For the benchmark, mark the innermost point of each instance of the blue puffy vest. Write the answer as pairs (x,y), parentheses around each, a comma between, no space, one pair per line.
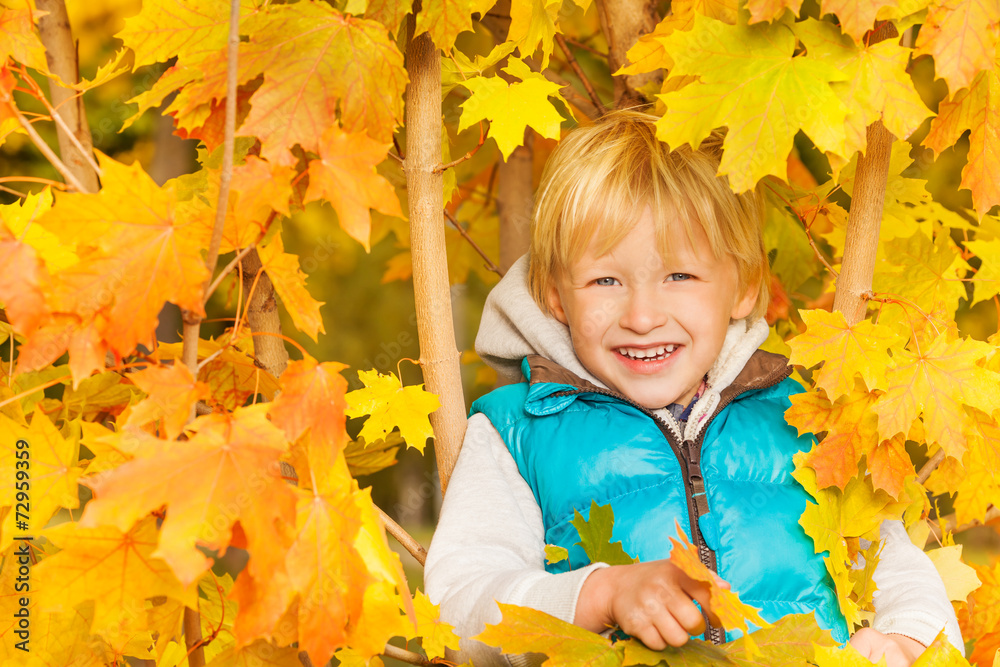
(574,442)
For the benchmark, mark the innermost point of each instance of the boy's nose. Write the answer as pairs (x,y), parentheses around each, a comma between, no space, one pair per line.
(642,313)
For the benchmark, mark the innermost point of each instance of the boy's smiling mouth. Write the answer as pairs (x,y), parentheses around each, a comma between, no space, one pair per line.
(657,353)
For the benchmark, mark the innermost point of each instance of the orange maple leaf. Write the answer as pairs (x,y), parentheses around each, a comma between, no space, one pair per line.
(226,472)
(981,618)
(937,381)
(724,602)
(316,62)
(851,429)
(345,176)
(22,284)
(171,394)
(312,400)
(138,257)
(289,282)
(974,108)
(962,37)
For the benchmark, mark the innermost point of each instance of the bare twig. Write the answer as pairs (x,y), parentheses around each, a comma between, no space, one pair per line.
(929,467)
(192,637)
(225,272)
(950,524)
(475,246)
(586,47)
(482,139)
(403,537)
(43,147)
(579,72)
(406,656)
(88,155)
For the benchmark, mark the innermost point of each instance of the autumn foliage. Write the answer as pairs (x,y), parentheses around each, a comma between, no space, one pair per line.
(150,462)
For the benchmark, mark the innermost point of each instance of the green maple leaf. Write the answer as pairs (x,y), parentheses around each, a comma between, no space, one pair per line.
(595,536)
(511,108)
(750,80)
(525,630)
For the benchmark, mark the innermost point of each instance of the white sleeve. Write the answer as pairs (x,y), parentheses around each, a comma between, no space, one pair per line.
(911,599)
(489,546)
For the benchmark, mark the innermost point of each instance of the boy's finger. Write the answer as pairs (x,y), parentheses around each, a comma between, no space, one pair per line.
(701,593)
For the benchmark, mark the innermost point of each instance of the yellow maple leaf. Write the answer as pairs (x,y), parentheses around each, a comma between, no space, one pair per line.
(512,107)
(925,272)
(959,579)
(389,405)
(49,473)
(843,350)
(878,85)
(114,569)
(751,80)
(936,382)
(978,485)
(436,634)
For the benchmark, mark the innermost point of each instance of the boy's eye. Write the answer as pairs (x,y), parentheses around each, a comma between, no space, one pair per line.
(678,276)
(606,282)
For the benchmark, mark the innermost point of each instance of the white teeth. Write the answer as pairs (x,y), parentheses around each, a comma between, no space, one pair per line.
(653,353)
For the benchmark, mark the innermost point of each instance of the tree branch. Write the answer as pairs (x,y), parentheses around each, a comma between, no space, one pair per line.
(226,271)
(49,154)
(475,246)
(406,656)
(929,467)
(72,130)
(403,537)
(579,72)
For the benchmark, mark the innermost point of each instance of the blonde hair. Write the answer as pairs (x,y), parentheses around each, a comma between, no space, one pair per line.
(602,177)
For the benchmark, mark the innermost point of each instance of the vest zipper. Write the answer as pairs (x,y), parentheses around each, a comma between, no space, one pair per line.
(688,453)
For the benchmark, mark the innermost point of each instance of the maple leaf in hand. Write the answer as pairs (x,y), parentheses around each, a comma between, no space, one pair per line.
(345,176)
(724,602)
(437,635)
(228,456)
(843,350)
(937,381)
(390,404)
(750,79)
(511,108)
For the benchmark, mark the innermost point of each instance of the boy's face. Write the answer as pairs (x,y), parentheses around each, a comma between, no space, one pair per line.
(649,327)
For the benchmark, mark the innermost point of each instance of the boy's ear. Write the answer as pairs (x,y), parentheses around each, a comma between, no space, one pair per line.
(745,305)
(555,305)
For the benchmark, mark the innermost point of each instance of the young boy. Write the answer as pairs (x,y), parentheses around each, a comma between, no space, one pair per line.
(635,324)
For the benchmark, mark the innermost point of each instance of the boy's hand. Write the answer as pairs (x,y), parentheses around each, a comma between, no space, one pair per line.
(898,651)
(650,601)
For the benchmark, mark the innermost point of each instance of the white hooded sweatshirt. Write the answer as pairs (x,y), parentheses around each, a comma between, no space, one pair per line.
(489,543)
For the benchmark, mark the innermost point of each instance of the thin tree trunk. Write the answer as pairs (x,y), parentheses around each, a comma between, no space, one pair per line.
(439,357)
(514,201)
(263,316)
(623,22)
(60,53)
(863,223)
